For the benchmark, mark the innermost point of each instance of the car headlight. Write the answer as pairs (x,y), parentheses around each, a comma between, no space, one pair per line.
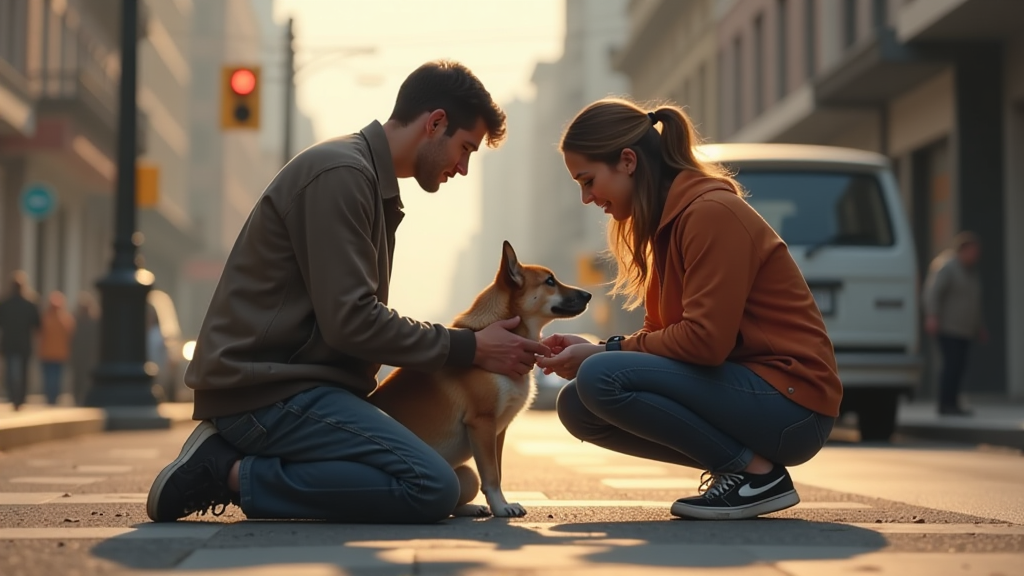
(188,350)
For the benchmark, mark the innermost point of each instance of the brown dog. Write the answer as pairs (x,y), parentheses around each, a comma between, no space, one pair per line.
(464,413)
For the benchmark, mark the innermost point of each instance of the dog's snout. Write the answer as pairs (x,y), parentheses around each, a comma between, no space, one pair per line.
(584,295)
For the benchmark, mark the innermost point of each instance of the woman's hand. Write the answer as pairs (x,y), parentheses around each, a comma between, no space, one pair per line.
(567,362)
(558,342)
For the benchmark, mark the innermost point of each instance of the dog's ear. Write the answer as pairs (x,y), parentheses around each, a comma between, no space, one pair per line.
(510,272)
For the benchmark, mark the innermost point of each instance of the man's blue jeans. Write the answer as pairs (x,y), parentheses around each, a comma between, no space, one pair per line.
(709,418)
(326,454)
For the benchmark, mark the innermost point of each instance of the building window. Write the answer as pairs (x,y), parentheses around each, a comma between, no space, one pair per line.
(849,22)
(880,14)
(810,38)
(737,85)
(781,54)
(758,64)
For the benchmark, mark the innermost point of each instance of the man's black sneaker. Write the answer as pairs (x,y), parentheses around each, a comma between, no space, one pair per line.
(197,480)
(736,496)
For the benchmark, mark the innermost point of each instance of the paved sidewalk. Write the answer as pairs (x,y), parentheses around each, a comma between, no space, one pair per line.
(38,422)
(996,424)
(912,508)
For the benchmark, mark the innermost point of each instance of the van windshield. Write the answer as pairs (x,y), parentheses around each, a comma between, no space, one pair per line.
(820,208)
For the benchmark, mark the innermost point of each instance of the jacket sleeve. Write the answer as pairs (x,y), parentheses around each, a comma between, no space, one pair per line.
(721,263)
(330,223)
(935,285)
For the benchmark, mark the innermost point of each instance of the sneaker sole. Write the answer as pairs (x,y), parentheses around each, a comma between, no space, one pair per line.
(780,502)
(202,432)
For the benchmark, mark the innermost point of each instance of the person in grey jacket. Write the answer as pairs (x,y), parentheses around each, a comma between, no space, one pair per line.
(952,305)
(19,322)
(299,326)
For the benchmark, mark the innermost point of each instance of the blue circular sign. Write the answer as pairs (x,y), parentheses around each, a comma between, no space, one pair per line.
(38,200)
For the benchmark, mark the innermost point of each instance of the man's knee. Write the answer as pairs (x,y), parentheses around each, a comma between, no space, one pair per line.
(438,493)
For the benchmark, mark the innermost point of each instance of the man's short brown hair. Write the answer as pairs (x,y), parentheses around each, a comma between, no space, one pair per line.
(449,86)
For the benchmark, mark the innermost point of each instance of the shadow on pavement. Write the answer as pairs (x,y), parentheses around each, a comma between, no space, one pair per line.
(461,545)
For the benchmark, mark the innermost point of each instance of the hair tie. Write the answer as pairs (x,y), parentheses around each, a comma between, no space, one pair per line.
(654,119)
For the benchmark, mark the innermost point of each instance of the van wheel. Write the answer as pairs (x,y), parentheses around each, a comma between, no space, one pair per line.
(876,416)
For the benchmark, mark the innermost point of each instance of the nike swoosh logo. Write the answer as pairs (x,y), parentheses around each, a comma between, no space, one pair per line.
(747,491)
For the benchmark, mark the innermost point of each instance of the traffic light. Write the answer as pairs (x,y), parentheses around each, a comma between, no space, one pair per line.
(240,97)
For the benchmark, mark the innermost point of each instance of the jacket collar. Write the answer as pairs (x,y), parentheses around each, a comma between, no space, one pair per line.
(383,164)
(687,187)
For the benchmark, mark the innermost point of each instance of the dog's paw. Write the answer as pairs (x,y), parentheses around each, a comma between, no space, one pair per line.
(511,510)
(472,511)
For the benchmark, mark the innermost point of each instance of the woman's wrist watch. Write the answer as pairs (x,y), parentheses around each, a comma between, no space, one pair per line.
(614,344)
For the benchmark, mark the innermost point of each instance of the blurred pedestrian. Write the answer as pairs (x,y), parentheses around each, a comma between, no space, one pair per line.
(952,306)
(55,332)
(85,346)
(732,371)
(19,321)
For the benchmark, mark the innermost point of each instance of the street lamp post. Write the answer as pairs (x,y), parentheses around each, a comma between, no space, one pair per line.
(121,384)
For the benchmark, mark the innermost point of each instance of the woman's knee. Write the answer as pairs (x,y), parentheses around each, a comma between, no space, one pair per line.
(570,410)
(595,380)
(577,419)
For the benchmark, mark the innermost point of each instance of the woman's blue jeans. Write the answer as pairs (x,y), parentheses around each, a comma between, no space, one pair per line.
(326,454)
(709,418)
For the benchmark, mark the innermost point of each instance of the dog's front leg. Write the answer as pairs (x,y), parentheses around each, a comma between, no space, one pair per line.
(483,438)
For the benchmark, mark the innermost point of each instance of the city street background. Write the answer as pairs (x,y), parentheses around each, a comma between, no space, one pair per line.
(929,94)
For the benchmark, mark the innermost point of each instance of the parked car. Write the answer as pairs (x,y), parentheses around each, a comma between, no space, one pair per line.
(166,348)
(840,213)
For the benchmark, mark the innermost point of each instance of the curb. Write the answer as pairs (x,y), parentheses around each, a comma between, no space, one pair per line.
(1006,436)
(61,423)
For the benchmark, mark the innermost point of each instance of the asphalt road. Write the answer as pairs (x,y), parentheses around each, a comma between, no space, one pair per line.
(77,507)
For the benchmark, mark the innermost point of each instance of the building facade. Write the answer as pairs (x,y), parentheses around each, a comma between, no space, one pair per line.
(529,197)
(230,168)
(936,86)
(59,72)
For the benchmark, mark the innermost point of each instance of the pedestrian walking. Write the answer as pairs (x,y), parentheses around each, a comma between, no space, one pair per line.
(952,307)
(19,322)
(732,371)
(85,346)
(55,332)
(299,326)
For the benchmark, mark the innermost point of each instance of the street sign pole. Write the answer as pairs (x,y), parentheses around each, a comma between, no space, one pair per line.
(121,384)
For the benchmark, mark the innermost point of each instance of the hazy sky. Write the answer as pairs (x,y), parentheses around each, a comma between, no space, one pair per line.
(500,40)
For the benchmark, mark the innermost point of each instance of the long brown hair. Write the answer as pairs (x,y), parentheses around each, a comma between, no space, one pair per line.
(600,132)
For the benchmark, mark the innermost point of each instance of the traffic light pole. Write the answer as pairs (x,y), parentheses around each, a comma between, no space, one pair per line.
(121,384)
(289,91)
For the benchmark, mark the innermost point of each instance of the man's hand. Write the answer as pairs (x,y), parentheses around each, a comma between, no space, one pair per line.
(931,325)
(559,342)
(500,350)
(567,362)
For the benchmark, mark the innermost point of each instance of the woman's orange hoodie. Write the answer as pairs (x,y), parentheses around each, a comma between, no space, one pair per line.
(725,288)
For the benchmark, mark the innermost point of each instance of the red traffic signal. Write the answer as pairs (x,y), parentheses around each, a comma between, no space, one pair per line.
(243,81)
(240,97)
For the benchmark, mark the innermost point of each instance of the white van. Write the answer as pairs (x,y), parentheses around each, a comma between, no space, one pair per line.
(839,211)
